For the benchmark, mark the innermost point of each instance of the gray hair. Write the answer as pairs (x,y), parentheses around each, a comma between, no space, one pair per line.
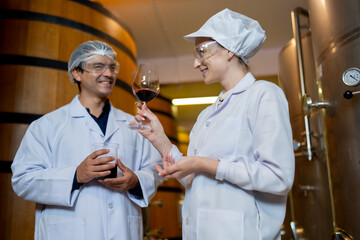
(87,50)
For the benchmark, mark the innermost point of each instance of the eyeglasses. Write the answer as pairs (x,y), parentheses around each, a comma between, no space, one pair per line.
(205,50)
(100,68)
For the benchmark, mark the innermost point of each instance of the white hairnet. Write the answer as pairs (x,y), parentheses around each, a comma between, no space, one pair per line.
(87,50)
(237,33)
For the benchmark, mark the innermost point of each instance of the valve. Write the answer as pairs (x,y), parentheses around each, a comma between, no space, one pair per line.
(349,94)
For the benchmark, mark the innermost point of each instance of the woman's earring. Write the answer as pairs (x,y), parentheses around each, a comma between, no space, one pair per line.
(229,58)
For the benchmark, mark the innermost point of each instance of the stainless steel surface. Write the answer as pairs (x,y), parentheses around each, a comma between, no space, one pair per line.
(326,196)
(306,189)
(336,41)
(332,21)
(308,105)
(156,203)
(340,234)
(295,14)
(310,197)
(296,145)
(351,77)
(293,228)
(349,94)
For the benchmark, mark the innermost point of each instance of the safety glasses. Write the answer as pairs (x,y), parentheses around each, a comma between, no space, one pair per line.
(99,67)
(206,50)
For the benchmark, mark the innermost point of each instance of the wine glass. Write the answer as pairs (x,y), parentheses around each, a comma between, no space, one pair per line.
(145,87)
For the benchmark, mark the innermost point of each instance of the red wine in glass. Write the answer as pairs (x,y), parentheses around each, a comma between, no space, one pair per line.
(145,87)
(145,95)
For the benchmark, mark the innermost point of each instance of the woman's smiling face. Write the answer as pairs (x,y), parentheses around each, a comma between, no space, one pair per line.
(210,59)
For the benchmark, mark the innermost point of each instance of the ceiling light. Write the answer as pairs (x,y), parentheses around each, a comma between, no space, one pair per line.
(193,101)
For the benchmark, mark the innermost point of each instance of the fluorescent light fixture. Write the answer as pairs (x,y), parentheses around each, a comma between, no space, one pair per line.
(193,101)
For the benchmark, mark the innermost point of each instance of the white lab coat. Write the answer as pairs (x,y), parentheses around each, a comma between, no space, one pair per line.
(250,134)
(44,168)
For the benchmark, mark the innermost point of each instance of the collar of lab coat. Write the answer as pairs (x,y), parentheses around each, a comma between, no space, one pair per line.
(77,110)
(242,85)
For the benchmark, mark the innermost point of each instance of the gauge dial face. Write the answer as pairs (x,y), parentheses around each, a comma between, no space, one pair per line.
(351,77)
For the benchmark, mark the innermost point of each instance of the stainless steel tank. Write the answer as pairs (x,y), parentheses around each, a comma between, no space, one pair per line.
(336,41)
(331,178)
(309,206)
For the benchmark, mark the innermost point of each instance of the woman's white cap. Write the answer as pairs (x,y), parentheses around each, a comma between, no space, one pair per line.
(237,33)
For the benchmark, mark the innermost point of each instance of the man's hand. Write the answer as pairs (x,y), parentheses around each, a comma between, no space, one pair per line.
(93,167)
(128,181)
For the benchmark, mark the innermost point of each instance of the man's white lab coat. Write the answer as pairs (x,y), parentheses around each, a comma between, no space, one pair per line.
(44,168)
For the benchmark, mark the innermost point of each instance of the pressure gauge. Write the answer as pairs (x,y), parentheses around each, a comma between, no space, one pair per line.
(351,77)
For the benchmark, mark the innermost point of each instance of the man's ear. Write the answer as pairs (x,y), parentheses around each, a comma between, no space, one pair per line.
(76,74)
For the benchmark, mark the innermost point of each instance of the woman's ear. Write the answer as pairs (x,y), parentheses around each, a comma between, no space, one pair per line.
(230,55)
(76,74)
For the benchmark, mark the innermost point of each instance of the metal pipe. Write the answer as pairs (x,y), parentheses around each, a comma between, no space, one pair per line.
(293,228)
(297,36)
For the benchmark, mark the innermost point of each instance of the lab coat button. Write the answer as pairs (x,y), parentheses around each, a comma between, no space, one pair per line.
(110,206)
(187,221)
(207,124)
(195,151)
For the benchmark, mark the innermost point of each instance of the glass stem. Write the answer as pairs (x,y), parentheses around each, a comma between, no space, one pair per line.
(143,104)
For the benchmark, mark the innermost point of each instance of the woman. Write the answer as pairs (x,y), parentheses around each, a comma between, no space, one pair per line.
(240,163)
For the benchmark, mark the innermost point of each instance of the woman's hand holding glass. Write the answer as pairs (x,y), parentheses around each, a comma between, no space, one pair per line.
(155,134)
(145,87)
(148,118)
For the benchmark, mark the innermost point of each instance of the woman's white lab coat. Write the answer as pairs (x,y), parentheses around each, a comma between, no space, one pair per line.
(44,168)
(250,134)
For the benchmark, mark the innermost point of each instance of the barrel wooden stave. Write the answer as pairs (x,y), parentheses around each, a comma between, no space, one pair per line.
(165,211)
(17,215)
(38,90)
(76,12)
(30,89)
